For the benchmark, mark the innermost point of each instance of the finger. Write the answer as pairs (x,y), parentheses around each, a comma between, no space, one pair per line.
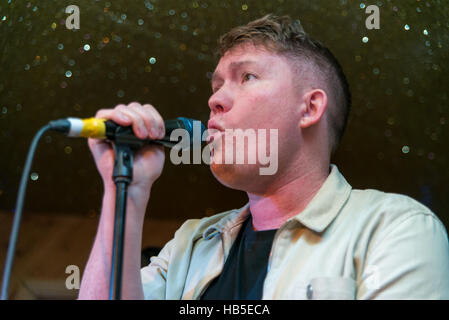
(138,123)
(152,120)
(158,119)
(149,121)
(98,145)
(113,114)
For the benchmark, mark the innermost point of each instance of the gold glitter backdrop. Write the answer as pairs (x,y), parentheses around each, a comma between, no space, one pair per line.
(160,52)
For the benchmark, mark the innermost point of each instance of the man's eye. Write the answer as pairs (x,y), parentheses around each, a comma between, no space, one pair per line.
(247,75)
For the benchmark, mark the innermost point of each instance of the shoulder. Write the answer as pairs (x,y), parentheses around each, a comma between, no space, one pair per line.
(380,215)
(391,207)
(381,199)
(403,242)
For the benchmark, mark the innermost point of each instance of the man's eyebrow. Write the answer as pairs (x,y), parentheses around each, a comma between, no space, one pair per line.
(232,65)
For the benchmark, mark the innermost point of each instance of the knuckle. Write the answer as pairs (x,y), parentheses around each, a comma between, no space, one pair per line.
(128,113)
(121,108)
(148,106)
(134,105)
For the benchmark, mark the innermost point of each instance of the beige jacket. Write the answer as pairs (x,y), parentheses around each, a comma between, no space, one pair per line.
(346,244)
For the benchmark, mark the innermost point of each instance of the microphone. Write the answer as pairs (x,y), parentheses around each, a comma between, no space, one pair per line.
(180,130)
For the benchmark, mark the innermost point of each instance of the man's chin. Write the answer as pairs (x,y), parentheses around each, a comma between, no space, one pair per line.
(234,176)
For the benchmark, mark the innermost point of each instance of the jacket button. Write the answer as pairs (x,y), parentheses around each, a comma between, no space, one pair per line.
(309,292)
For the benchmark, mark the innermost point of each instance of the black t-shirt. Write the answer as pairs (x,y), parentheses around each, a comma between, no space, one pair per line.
(245,268)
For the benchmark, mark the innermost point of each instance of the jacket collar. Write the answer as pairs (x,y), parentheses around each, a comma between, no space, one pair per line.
(317,216)
(327,202)
(234,218)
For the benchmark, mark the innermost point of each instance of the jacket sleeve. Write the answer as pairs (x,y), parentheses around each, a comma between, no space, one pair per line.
(154,276)
(164,277)
(408,260)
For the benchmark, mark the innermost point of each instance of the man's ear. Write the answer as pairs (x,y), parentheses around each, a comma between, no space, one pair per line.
(315,104)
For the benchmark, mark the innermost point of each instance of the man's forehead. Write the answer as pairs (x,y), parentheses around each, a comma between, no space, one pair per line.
(234,65)
(244,54)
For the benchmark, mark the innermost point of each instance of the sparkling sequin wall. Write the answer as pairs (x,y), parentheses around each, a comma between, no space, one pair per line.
(161,52)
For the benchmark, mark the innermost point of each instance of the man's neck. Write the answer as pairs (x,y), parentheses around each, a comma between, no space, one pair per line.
(271,210)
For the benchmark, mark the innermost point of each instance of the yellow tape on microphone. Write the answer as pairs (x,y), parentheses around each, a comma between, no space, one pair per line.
(93,128)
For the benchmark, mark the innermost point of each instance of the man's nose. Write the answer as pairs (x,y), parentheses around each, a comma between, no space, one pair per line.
(220,101)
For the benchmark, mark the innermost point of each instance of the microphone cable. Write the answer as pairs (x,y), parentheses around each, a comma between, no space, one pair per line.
(18,211)
(64,126)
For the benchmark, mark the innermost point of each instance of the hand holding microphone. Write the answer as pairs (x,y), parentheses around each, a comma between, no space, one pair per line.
(139,127)
(146,124)
(133,128)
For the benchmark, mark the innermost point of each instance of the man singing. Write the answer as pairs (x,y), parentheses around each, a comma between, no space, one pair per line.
(304,233)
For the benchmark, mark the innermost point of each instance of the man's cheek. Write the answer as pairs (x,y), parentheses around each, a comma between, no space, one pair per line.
(267,102)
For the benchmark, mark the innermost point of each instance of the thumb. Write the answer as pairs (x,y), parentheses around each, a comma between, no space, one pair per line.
(99,147)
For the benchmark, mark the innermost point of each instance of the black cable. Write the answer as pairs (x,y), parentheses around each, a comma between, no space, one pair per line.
(18,212)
